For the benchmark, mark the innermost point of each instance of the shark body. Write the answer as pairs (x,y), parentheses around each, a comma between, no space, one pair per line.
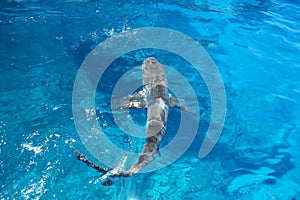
(157,100)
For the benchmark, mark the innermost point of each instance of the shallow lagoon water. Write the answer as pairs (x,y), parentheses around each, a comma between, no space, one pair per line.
(255,46)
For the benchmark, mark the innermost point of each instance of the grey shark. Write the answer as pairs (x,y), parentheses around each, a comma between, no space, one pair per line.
(156,99)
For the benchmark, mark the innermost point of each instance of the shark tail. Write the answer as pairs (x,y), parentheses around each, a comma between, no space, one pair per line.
(108,175)
(83,158)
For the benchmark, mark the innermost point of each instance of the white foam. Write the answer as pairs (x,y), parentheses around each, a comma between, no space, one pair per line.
(29,147)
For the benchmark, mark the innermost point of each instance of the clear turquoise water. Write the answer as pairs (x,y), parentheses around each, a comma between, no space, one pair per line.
(255,45)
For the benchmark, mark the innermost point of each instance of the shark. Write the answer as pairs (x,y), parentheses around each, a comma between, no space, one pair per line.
(154,97)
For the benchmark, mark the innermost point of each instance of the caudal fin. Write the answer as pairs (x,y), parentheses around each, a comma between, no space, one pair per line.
(83,158)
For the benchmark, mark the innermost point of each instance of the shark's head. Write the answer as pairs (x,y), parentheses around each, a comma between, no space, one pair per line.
(152,66)
(153,72)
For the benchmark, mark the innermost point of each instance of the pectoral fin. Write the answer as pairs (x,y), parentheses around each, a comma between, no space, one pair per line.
(136,100)
(174,104)
(182,107)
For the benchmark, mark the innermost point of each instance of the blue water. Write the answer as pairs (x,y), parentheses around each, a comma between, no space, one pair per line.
(255,45)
